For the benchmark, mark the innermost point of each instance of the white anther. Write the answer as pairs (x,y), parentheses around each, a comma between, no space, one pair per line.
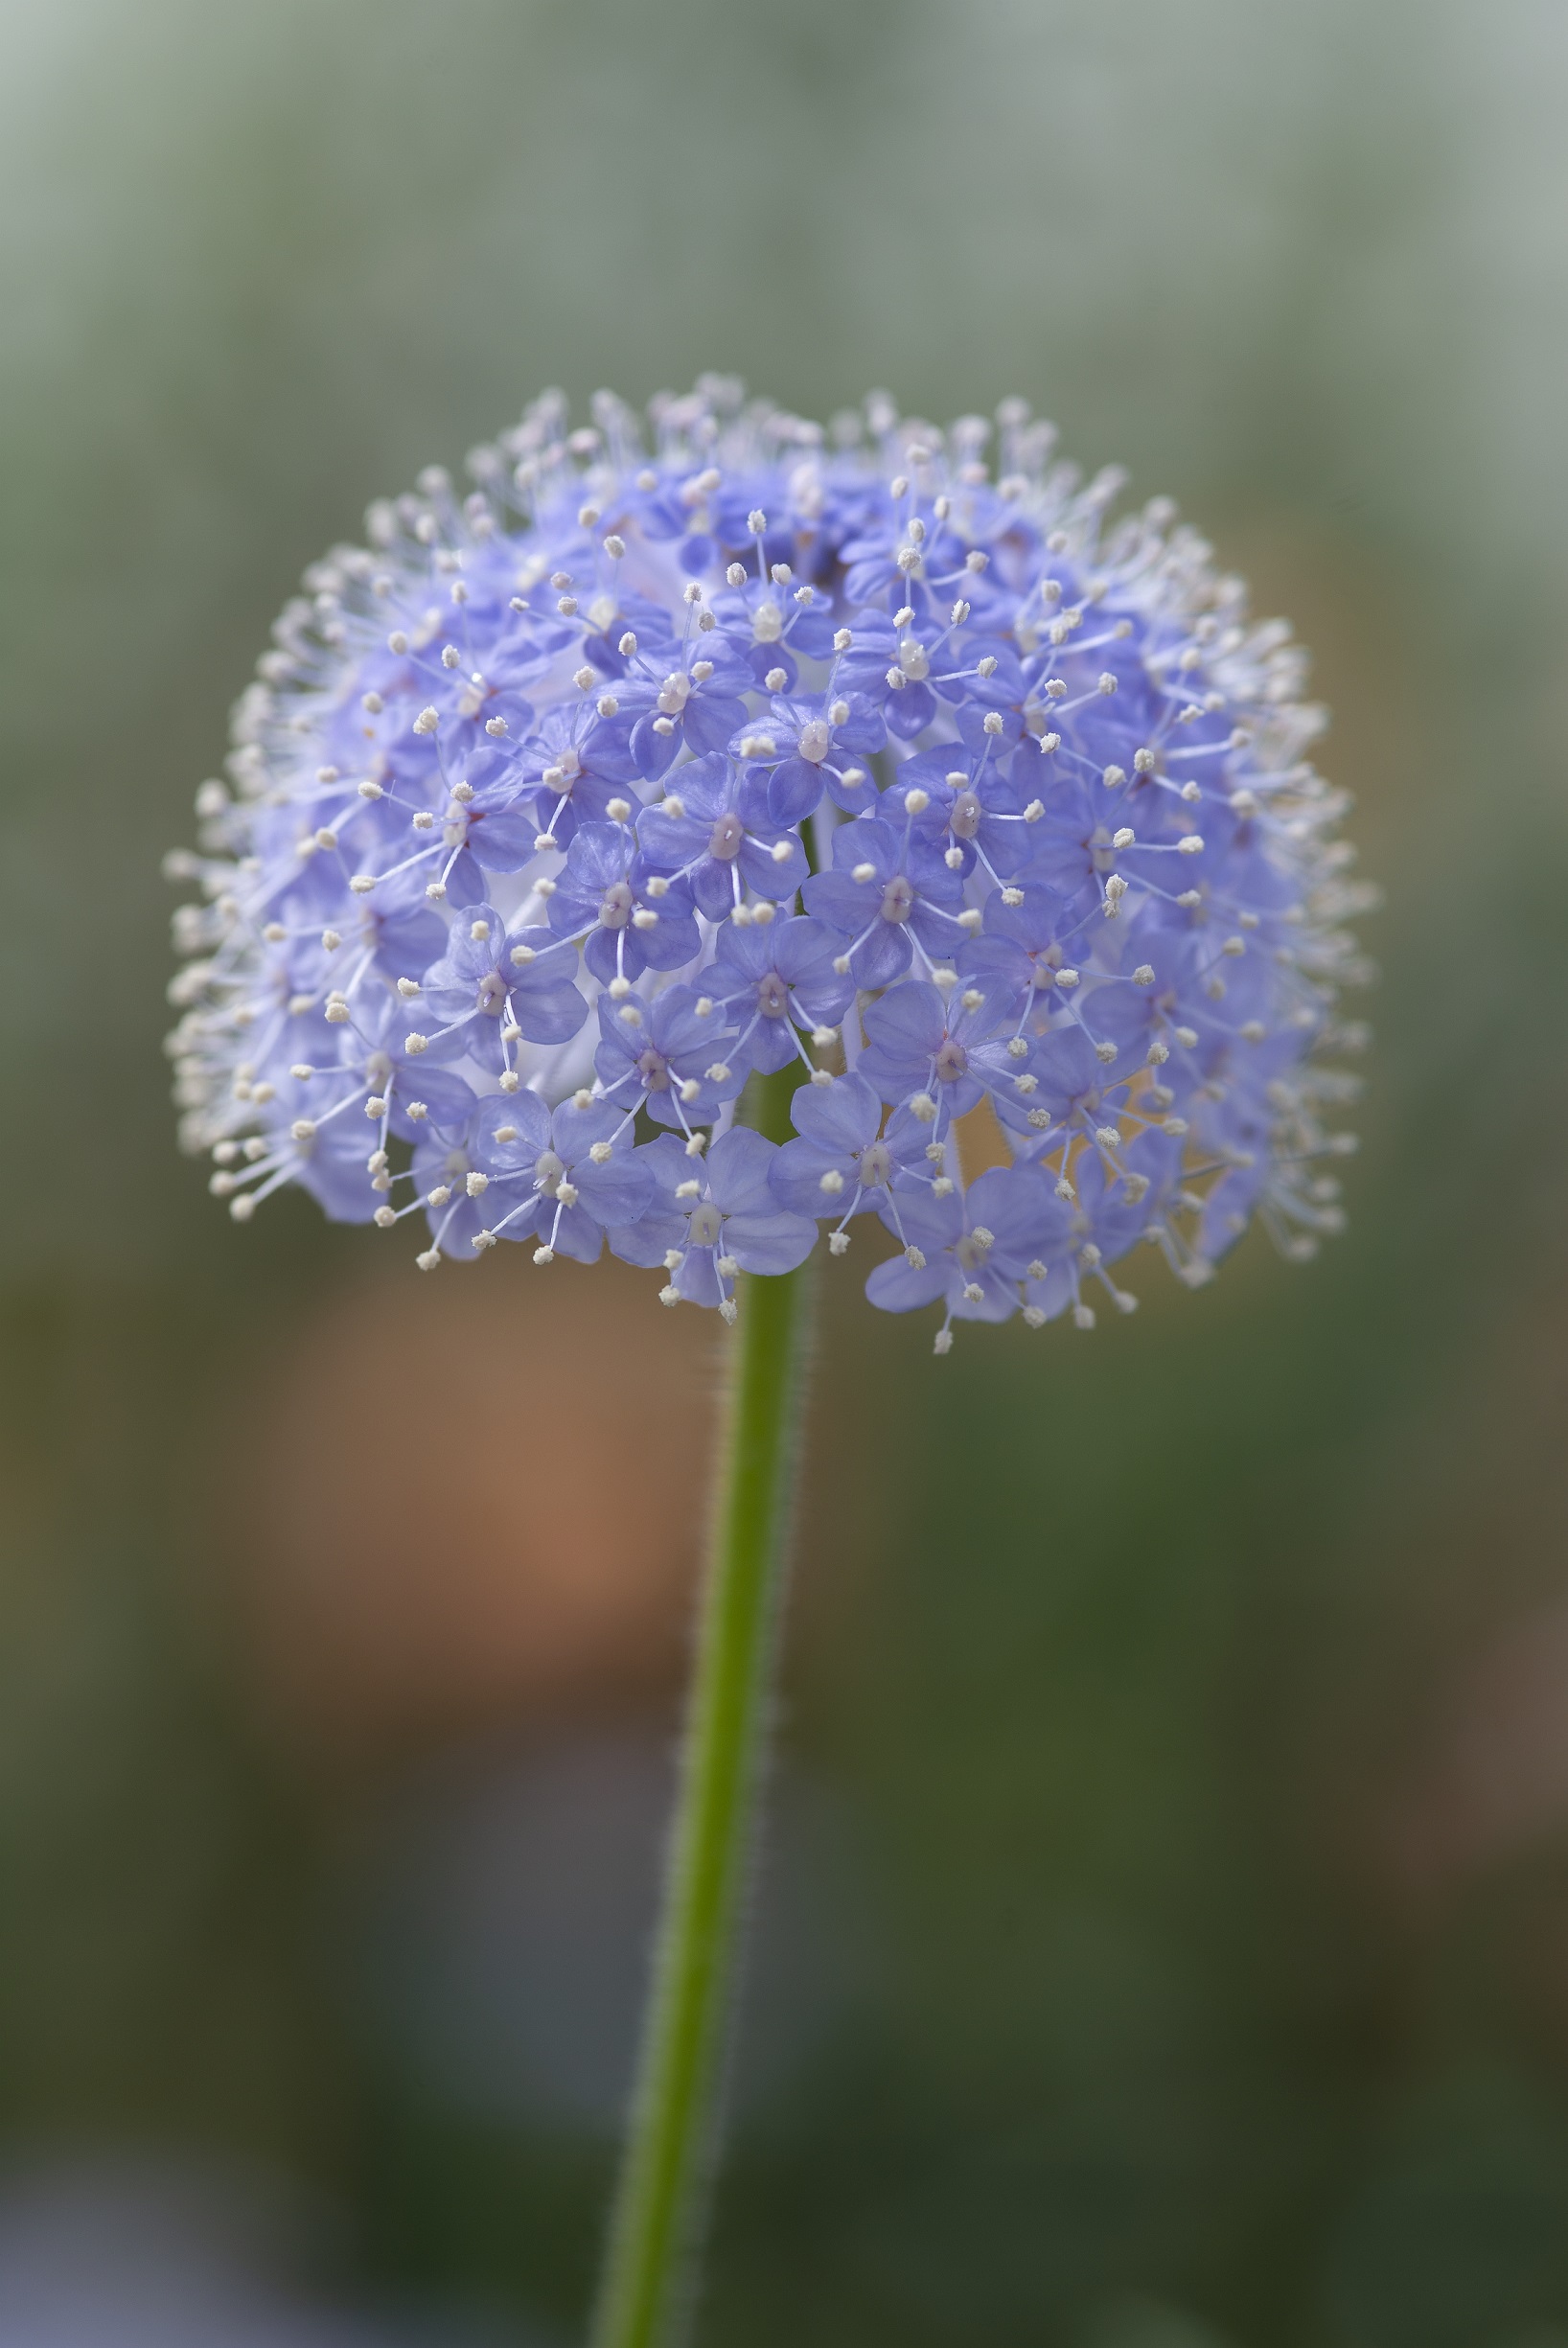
(840,967)
(782,850)
(718,1072)
(970,919)
(922,1108)
(478,929)
(916,802)
(1036,809)
(413,1044)
(1190,792)
(832,1182)
(1188,1036)
(1106,683)
(862,873)
(838,1243)
(615,546)
(477,1184)
(958,614)
(1234,947)
(916,1260)
(992,721)
(426,721)
(618,811)
(1190,844)
(852,778)
(1175,1126)
(582,677)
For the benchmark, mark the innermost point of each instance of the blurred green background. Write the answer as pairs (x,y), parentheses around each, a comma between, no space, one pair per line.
(1165,1939)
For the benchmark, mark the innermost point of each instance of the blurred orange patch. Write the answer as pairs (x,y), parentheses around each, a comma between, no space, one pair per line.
(471,1493)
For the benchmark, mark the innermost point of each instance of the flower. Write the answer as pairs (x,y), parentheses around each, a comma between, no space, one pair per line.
(566,1177)
(971,1250)
(769,977)
(842,1162)
(714,1218)
(566,804)
(888,892)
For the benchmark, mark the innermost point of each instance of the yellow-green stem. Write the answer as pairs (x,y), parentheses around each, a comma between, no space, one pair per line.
(647,2289)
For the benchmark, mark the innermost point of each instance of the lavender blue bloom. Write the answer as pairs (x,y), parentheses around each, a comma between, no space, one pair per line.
(714,1217)
(663,755)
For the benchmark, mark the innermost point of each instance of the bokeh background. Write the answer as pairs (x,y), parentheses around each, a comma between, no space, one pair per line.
(1164,1940)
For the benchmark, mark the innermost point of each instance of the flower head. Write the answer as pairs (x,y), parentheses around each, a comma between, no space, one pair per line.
(659,759)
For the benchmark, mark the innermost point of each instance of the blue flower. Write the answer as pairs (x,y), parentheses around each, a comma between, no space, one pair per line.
(888,891)
(492,987)
(695,707)
(715,832)
(564,1177)
(970,1251)
(842,1163)
(675,1053)
(636,919)
(810,745)
(938,1055)
(552,748)
(775,972)
(715,1217)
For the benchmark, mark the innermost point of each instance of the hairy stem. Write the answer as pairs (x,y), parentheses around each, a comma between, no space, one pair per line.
(647,2288)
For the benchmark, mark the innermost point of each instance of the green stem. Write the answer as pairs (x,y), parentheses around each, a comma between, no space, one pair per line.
(672,2142)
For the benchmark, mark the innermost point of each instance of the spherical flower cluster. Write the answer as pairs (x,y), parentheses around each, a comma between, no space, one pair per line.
(572,803)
